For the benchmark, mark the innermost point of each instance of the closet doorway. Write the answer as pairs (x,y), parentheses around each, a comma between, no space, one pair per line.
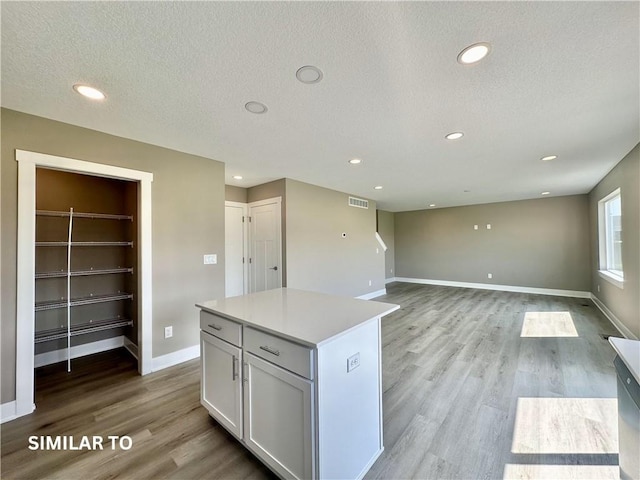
(64,264)
(265,247)
(86,266)
(253,246)
(236,276)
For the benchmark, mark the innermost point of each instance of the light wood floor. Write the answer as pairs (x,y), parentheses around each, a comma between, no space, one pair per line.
(465,396)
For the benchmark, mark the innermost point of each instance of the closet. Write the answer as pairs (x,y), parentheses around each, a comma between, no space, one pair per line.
(86,265)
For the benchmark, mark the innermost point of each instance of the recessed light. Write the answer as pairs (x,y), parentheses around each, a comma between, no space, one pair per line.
(355,161)
(237,177)
(309,74)
(550,157)
(454,136)
(256,107)
(89,92)
(378,187)
(474,53)
(545,193)
(432,204)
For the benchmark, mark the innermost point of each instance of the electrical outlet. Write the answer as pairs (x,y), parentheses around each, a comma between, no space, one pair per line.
(168,332)
(598,288)
(210,259)
(488,226)
(475,227)
(489,275)
(353,362)
(369,282)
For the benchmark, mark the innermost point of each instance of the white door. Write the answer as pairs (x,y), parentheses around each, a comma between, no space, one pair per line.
(278,418)
(265,269)
(235,274)
(221,385)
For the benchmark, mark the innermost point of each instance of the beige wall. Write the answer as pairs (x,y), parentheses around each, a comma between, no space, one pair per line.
(386,229)
(235,194)
(318,258)
(277,188)
(187,221)
(625,302)
(540,243)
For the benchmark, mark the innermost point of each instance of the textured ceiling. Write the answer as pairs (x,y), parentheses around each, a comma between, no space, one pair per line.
(562,78)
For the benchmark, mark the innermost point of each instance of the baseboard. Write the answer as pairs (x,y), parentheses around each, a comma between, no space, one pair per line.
(501,288)
(390,280)
(56,356)
(369,296)
(615,321)
(174,358)
(8,411)
(131,347)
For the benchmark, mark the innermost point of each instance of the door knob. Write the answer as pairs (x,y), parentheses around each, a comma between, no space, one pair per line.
(273,268)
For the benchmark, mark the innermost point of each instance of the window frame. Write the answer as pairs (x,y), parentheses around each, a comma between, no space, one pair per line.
(605,239)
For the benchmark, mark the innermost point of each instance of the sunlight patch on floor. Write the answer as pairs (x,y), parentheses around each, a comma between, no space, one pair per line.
(561,472)
(566,425)
(548,324)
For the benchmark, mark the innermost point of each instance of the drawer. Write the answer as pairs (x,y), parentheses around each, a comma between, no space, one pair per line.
(227,330)
(286,354)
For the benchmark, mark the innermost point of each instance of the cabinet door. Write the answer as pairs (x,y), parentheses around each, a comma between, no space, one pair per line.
(220,385)
(278,418)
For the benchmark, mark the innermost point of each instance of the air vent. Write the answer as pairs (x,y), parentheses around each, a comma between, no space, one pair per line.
(358,202)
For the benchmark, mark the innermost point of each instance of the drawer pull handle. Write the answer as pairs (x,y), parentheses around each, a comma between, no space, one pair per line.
(272,351)
(215,327)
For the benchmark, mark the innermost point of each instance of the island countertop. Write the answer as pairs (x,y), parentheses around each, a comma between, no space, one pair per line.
(308,318)
(629,352)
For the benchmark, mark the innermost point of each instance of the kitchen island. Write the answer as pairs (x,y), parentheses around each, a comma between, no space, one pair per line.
(296,377)
(627,365)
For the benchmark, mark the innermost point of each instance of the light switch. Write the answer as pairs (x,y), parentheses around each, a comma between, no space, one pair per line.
(475,227)
(210,259)
(488,226)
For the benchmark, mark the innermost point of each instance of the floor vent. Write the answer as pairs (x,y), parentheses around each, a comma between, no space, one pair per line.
(358,202)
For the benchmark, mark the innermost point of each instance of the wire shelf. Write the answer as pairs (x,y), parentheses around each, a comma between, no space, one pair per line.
(75,302)
(84,273)
(102,216)
(84,244)
(82,329)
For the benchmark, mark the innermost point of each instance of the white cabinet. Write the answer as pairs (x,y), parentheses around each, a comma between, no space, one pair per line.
(221,385)
(278,418)
(310,401)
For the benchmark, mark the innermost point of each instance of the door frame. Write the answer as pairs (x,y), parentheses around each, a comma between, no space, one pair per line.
(260,203)
(25,298)
(245,243)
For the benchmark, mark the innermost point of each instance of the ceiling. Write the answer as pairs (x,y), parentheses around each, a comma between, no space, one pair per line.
(562,79)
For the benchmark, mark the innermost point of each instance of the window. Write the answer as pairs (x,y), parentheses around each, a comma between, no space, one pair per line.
(610,228)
